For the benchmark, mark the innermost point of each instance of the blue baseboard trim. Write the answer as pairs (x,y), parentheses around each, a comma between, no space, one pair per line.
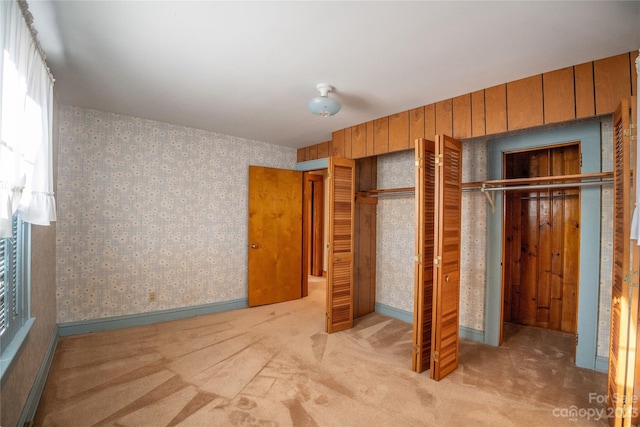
(396,313)
(140,319)
(471,334)
(602,364)
(30,407)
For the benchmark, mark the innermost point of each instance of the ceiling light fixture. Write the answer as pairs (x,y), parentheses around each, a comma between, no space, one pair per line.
(323,105)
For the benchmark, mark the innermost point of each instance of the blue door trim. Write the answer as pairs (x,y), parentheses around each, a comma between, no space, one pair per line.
(590,145)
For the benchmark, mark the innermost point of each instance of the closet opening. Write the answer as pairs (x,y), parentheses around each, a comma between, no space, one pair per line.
(314,222)
(541,243)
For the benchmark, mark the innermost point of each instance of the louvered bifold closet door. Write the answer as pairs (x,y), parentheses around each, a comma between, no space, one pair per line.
(446,287)
(624,294)
(341,243)
(423,304)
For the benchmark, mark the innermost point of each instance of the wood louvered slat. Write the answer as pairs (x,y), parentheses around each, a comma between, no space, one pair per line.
(425,214)
(624,299)
(341,245)
(446,288)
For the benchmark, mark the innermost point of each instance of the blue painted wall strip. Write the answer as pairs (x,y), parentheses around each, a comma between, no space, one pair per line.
(312,165)
(602,364)
(471,334)
(31,405)
(396,313)
(96,325)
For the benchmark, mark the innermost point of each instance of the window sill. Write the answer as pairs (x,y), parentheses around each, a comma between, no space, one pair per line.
(9,354)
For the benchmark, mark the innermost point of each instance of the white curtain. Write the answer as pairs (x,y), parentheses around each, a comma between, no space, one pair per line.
(26,171)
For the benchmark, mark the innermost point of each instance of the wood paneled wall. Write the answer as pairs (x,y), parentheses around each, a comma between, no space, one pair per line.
(584,90)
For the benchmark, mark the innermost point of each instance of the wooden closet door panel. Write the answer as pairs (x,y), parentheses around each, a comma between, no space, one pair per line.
(275,235)
(423,298)
(622,344)
(446,289)
(341,244)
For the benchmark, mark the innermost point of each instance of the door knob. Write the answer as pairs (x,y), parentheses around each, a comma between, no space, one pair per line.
(254,246)
(446,278)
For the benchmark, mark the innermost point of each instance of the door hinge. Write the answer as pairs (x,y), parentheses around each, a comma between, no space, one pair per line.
(434,356)
(438,160)
(576,339)
(580,159)
(629,132)
(419,162)
(418,258)
(436,261)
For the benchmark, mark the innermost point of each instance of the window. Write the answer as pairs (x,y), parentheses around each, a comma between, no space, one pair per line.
(14,284)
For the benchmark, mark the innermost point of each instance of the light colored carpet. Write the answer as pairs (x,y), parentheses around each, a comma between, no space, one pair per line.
(274,366)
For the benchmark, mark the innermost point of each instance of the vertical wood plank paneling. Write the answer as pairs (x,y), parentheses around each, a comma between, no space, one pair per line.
(416,125)
(543,246)
(462,116)
(365,237)
(301,154)
(571,267)
(495,100)
(634,73)
(444,117)
(585,91)
(338,144)
(546,98)
(313,152)
(370,144)
(381,135)
(359,141)
(557,250)
(323,150)
(477,113)
(512,250)
(347,143)
(399,131)
(524,103)
(430,122)
(612,77)
(559,96)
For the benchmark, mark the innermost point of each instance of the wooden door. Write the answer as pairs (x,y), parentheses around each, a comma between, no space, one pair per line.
(423,273)
(340,256)
(275,235)
(446,281)
(624,294)
(438,215)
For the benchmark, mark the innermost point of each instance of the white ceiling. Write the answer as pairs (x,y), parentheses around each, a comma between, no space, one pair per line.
(248,68)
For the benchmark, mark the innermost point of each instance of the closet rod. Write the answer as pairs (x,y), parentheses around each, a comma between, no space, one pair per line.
(545,186)
(386,191)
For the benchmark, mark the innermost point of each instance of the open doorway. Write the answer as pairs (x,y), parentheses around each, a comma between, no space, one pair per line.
(588,306)
(542,241)
(314,222)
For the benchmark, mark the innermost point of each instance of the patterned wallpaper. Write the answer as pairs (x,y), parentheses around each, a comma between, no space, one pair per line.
(395,245)
(606,243)
(396,235)
(147,206)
